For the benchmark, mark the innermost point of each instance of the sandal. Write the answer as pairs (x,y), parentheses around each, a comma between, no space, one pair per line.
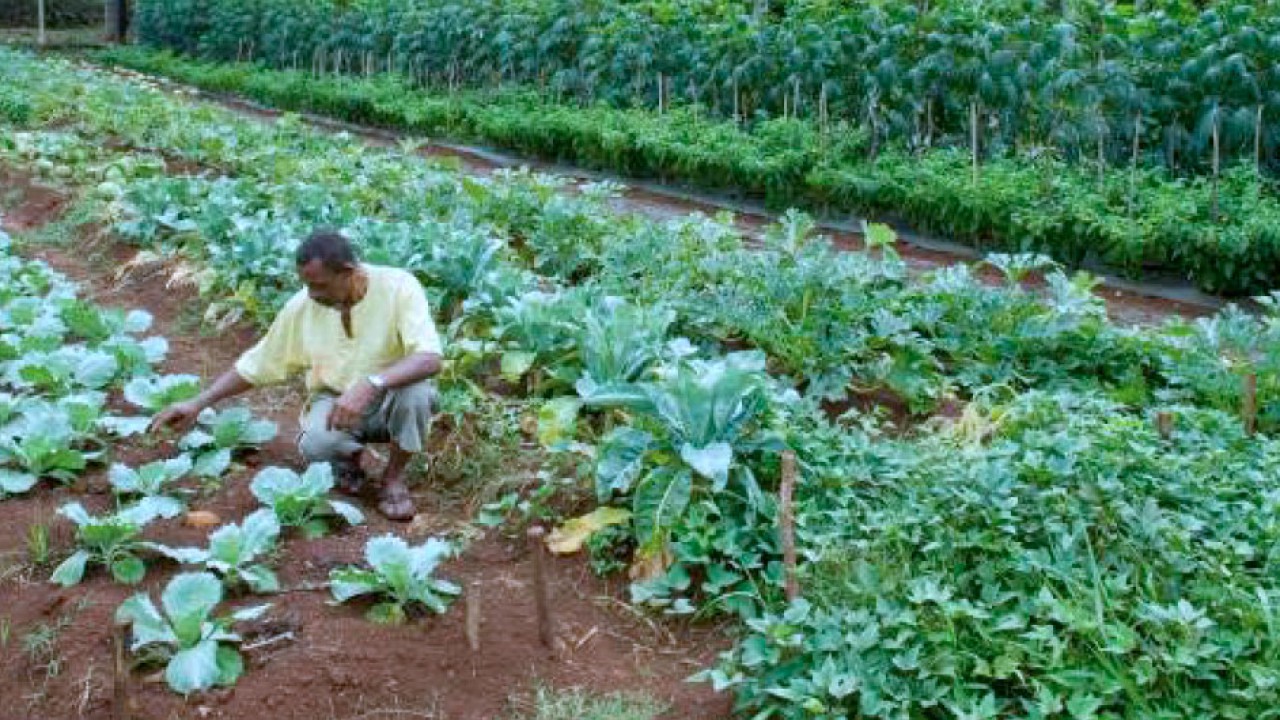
(349,478)
(395,503)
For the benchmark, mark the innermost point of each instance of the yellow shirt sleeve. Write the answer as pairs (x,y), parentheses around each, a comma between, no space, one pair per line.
(416,328)
(279,354)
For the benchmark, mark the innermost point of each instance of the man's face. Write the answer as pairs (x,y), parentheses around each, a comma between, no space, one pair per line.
(325,286)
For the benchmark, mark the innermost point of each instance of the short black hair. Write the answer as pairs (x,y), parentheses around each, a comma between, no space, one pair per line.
(329,247)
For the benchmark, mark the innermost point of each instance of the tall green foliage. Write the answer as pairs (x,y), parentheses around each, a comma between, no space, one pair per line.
(1092,81)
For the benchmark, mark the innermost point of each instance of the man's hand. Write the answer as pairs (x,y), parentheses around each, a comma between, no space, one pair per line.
(179,417)
(348,410)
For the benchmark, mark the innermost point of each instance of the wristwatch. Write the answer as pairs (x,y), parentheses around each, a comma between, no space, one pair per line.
(377,381)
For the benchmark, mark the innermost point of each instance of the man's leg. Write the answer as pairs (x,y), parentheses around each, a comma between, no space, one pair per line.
(317,443)
(404,420)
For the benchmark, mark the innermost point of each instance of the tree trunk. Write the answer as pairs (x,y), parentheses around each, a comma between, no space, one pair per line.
(822,109)
(873,123)
(116,17)
(1257,139)
(736,101)
(41,40)
(1216,156)
(1133,159)
(1102,160)
(928,122)
(973,137)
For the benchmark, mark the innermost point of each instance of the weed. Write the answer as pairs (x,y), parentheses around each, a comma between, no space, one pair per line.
(38,546)
(576,704)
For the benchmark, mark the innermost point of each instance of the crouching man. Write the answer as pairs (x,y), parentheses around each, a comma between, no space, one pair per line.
(364,337)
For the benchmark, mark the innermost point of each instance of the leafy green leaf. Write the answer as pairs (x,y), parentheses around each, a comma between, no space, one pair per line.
(195,668)
(711,462)
(70,571)
(128,570)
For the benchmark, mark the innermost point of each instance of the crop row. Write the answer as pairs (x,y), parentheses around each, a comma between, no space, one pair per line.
(1219,235)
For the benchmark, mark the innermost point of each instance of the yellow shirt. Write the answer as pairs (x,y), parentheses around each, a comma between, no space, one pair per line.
(391,321)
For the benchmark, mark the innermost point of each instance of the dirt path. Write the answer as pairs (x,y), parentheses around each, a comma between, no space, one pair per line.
(1128,302)
(309,660)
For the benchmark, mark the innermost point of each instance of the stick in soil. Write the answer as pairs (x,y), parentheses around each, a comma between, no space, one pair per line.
(473,615)
(1249,404)
(546,629)
(1164,424)
(787,521)
(121,706)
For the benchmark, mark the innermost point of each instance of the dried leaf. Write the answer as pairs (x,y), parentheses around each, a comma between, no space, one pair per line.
(569,537)
(201,518)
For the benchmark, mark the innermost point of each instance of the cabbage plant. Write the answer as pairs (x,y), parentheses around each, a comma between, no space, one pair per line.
(198,649)
(399,574)
(221,434)
(156,393)
(301,500)
(110,540)
(151,480)
(235,551)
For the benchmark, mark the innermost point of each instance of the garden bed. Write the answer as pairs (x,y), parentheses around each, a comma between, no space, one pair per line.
(313,660)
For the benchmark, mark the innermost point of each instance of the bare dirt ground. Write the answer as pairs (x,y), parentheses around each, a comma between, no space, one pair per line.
(307,659)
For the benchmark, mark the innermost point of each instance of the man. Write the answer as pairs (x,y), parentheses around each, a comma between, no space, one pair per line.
(364,336)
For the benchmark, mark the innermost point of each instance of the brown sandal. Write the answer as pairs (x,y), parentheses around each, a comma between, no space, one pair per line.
(395,503)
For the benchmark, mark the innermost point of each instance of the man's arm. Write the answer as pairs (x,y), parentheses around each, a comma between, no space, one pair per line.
(349,409)
(181,416)
(412,368)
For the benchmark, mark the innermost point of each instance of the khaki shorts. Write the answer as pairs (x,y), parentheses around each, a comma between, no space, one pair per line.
(402,416)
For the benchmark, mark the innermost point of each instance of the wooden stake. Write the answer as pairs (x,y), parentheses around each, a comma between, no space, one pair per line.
(1164,424)
(541,599)
(787,520)
(1249,403)
(473,615)
(121,704)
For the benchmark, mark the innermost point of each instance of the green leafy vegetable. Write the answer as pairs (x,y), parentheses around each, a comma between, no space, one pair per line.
(197,647)
(301,500)
(400,573)
(235,552)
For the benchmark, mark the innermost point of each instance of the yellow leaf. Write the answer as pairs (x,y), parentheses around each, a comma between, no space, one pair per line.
(569,537)
(649,564)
